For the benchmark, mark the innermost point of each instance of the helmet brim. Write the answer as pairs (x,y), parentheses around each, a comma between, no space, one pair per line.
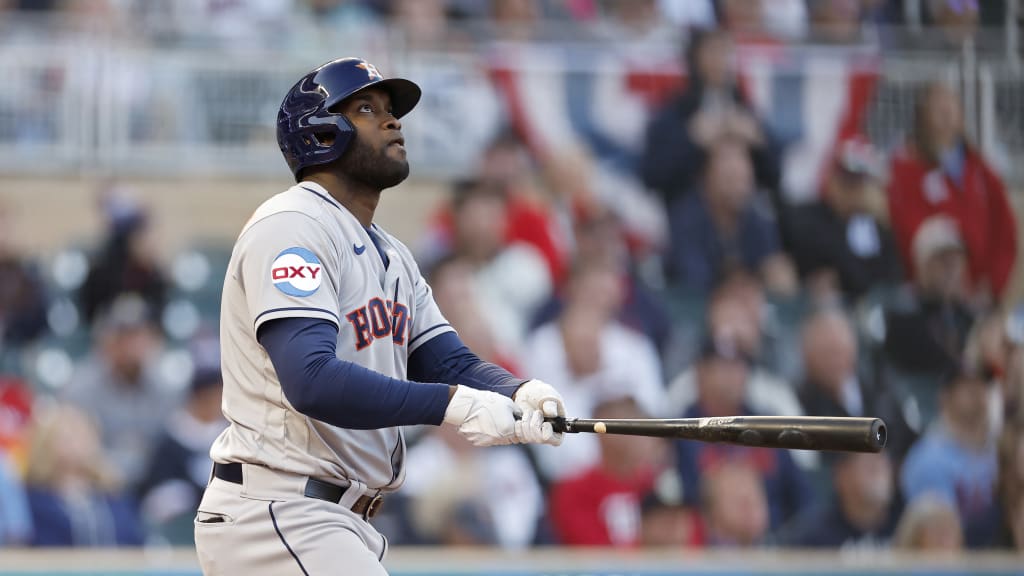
(405,94)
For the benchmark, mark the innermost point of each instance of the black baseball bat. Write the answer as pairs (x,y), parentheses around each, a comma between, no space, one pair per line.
(796,432)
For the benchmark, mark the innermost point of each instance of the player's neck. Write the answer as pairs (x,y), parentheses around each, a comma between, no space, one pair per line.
(358,198)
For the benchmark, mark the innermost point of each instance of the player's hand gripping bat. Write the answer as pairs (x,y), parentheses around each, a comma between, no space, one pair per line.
(799,432)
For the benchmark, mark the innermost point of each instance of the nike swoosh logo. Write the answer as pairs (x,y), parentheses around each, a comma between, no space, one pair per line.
(359,249)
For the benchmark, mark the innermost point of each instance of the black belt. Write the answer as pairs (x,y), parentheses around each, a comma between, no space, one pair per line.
(366,506)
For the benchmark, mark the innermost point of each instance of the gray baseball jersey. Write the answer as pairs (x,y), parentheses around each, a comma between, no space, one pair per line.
(304,255)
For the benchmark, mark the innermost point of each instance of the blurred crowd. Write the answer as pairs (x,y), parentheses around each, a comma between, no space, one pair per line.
(887,294)
(241,24)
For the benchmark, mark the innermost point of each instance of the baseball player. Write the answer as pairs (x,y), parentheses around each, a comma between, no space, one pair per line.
(331,342)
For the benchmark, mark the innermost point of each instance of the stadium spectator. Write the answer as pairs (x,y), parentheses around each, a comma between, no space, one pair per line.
(126,261)
(926,327)
(637,23)
(989,351)
(680,135)
(862,512)
(118,383)
(840,242)
(955,21)
(939,172)
(931,524)
(664,520)
(452,282)
(22,294)
(74,498)
(956,459)
(179,467)
(423,23)
(601,238)
(510,279)
(725,226)
(516,19)
(459,496)
(591,355)
(832,384)
(735,314)
(835,21)
(734,505)
(600,505)
(533,217)
(721,381)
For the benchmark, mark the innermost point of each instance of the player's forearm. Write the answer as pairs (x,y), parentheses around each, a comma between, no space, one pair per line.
(444,358)
(320,385)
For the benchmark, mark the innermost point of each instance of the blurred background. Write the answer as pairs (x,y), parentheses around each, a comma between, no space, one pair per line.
(667,208)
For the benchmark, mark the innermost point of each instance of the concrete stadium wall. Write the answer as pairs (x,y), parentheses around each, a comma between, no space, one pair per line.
(48,214)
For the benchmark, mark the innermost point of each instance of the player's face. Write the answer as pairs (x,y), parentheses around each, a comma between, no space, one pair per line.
(377,154)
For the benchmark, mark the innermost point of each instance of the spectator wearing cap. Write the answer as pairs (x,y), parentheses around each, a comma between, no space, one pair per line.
(726,227)
(861,513)
(926,327)
(179,467)
(938,172)
(840,243)
(601,505)
(722,372)
(664,520)
(955,460)
(119,384)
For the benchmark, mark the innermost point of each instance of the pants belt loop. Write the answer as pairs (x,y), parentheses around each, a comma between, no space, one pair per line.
(352,493)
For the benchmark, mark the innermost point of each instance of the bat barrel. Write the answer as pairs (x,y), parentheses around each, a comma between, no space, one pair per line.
(794,432)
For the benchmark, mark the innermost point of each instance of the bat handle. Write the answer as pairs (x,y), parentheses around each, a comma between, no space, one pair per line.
(561,424)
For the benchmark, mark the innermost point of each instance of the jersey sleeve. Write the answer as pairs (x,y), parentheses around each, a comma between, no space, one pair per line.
(289,267)
(427,320)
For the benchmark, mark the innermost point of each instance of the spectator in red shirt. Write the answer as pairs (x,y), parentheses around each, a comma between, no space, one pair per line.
(601,506)
(940,172)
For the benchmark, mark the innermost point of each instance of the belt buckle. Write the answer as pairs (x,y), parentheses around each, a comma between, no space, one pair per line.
(375,505)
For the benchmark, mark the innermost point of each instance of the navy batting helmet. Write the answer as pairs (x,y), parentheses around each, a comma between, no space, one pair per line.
(310,131)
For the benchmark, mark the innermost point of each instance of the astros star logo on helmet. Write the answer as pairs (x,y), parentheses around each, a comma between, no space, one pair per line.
(371,70)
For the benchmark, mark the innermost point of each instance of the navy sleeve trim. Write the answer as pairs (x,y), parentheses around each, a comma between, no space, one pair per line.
(445,358)
(320,385)
(428,331)
(291,308)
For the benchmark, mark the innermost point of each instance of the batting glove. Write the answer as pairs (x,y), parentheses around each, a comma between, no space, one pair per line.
(541,397)
(484,418)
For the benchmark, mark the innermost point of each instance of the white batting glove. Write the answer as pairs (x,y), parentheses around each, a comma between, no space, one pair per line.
(541,397)
(484,418)
(532,429)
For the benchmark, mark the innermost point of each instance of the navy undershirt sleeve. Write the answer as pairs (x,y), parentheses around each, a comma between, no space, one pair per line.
(322,386)
(444,358)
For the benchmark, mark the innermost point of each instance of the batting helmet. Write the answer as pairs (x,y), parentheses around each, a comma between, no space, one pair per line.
(310,131)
